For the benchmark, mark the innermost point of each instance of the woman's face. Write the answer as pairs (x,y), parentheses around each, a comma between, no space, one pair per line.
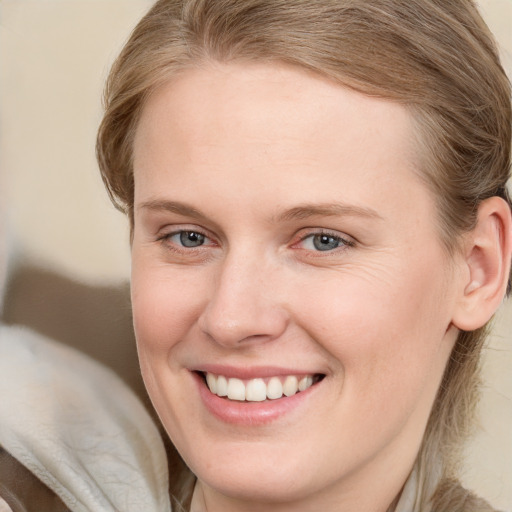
(281,233)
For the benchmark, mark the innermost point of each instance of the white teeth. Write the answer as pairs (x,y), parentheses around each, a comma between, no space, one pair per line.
(212,382)
(274,388)
(291,385)
(305,383)
(236,389)
(256,390)
(222,386)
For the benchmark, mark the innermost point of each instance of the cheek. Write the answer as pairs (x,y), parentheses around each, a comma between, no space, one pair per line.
(386,334)
(164,308)
(165,304)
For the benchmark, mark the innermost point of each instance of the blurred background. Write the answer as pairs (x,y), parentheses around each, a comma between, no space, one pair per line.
(67,247)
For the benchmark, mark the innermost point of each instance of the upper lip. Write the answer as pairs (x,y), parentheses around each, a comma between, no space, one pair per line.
(251,372)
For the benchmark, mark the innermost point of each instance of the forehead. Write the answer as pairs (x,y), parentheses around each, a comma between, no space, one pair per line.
(223,122)
(279,96)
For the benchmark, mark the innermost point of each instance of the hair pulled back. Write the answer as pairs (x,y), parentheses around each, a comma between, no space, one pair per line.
(435,57)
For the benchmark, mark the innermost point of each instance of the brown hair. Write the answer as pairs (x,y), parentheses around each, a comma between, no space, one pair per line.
(435,57)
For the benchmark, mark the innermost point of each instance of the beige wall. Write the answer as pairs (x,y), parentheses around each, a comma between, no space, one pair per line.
(54,58)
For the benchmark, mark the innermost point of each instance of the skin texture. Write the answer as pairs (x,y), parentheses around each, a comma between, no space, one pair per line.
(255,152)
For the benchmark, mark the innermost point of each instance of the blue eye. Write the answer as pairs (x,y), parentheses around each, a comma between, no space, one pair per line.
(190,238)
(187,244)
(324,242)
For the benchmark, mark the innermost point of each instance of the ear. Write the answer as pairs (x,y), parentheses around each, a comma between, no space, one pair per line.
(487,258)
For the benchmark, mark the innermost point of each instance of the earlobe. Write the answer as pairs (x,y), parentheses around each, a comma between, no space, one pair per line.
(488,256)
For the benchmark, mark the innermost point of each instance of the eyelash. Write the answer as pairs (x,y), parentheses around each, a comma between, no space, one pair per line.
(165,239)
(343,243)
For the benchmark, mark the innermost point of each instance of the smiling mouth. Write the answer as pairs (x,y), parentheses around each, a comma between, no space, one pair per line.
(259,389)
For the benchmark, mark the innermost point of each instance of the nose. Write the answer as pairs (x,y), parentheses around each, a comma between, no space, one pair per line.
(244,305)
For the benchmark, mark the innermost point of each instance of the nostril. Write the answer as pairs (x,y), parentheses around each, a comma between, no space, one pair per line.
(238,316)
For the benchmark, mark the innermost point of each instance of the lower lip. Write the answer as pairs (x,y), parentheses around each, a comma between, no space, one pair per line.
(249,413)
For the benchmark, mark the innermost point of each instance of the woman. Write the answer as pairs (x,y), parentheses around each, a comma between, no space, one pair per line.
(320,234)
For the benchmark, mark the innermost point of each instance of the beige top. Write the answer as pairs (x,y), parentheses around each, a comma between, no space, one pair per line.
(76,426)
(4,507)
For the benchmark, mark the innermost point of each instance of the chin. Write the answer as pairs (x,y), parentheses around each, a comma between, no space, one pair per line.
(259,484)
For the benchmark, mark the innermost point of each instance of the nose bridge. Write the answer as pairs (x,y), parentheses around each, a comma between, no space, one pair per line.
(244,304)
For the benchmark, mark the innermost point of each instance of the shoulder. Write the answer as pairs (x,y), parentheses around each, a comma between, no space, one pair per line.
(450,496)
(77,428)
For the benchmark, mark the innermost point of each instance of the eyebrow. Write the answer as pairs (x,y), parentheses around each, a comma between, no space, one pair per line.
(173,207)
(300,212)
(305,211)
